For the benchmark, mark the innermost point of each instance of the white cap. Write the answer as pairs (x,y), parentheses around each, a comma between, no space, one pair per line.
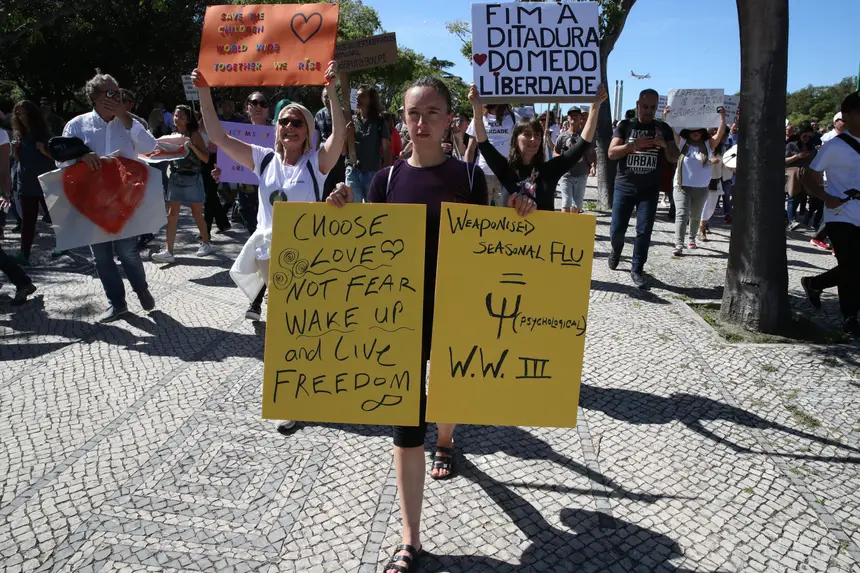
(837,117)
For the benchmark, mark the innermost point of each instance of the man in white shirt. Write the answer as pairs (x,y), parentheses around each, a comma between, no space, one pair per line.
(839,158)
(838,127)
(108,129)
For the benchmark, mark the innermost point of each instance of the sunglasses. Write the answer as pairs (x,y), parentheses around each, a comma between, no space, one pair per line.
(258,103)
(285,121)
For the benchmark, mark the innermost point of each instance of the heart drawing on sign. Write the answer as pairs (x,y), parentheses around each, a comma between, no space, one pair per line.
(108,196)
(496,73)
(480,59)
(304,29)
(392,248)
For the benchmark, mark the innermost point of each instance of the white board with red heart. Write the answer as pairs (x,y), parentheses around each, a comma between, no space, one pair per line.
(124,198)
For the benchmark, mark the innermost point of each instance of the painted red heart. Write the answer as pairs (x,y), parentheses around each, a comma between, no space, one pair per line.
(496,74)
(480,59)
(108,196)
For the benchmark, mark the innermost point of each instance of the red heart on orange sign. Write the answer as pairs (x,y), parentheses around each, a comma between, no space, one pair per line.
(108,196)
(480,59)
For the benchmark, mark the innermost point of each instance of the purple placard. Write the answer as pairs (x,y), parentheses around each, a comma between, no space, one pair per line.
(232,172)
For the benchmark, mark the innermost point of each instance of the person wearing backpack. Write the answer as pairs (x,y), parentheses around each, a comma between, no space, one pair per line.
(429,177)
(839,159)
(292,171)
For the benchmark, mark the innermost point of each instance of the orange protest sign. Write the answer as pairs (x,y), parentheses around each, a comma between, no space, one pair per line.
(268,44)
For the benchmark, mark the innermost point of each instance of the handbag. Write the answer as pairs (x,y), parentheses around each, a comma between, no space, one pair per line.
(62,149)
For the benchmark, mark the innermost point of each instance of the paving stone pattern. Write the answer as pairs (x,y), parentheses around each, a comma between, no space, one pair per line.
(137,446)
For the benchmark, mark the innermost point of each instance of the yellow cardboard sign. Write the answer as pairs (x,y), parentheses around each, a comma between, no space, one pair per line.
(510,316)
(346,300)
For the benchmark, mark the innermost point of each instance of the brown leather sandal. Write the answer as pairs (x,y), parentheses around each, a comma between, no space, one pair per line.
(444,463)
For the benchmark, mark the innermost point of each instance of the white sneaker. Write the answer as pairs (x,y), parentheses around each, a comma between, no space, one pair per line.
(285,426)
(163,257)
(204,250)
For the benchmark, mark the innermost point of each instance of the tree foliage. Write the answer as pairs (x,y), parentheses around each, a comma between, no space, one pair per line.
(818,103)
(51,47)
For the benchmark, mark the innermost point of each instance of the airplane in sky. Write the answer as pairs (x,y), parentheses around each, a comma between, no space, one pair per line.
(638,77)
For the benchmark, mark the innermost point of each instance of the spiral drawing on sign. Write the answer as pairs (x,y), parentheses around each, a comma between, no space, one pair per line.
(288,258)
(281,280)
(301,267)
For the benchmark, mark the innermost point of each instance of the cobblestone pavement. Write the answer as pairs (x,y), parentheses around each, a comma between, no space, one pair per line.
(137,446)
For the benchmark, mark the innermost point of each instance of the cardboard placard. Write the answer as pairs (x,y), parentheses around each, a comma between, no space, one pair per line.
(346,304)
(190,89)
(694,109)
(525,111)
(268,44)
(504,351)
(662,102)
(262,135)
(732,103)
(366,53)
(544,52)
(125,198)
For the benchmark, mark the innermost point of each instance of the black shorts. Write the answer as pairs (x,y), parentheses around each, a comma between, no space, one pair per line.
(413,436)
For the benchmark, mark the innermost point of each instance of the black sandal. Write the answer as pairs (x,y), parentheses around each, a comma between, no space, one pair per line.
(410,560)
(443,463)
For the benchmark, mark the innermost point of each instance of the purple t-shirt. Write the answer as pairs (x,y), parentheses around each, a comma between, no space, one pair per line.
(447,182)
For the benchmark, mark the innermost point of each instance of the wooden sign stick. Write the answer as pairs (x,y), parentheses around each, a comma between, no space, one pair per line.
(350,137)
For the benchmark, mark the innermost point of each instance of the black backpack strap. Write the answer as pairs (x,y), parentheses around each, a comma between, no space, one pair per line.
(850,141)
(315,182)
(265,162)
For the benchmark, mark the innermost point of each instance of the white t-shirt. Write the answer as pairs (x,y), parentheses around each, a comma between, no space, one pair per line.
(695,174)
(841,164)
(499,134)
(554,131)
(4,137)
(828,136)
(285,182)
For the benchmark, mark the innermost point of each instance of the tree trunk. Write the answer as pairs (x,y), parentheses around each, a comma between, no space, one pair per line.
(606,168)
(613,17)
(756,292)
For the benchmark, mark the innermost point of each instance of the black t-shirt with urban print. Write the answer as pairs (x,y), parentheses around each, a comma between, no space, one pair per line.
(641,168)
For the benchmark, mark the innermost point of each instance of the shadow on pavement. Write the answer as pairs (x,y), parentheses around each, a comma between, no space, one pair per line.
(629,289)
(635,407)
(590,540)
(167,336)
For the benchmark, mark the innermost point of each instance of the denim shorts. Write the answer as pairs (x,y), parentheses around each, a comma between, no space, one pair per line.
(184,188)
(359,181)
(573,189)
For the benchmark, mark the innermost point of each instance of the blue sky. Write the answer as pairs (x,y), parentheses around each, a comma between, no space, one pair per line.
(818,53)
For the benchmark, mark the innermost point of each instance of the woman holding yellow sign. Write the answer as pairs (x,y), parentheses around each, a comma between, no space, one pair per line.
(428,177)
(292,171)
